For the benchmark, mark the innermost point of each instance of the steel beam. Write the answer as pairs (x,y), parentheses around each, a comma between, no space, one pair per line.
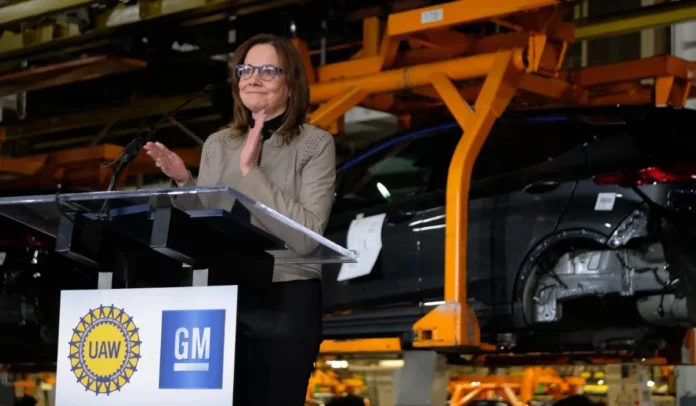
(453,323)
(416,76)
(630,71)
(459,12)
(23,10)
(660,15)
(26,167)
(113,133)
(43,77)
(138,109)
(82,164)
(366,346)
(187,12)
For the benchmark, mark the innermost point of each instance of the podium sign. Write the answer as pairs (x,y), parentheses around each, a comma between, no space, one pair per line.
(170,346)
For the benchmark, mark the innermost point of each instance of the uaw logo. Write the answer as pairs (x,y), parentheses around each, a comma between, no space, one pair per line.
(105,350)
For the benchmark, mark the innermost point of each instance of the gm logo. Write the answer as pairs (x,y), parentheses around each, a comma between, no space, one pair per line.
(192,349)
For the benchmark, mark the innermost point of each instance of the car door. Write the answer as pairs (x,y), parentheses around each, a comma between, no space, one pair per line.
(391,179)
(535,199)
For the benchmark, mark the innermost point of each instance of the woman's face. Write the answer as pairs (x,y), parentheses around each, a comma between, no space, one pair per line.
(265,89)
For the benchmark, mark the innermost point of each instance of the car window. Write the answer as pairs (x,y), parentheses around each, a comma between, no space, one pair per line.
(396,176)
(419,164)
(487,163)
(408,168)
(518,144)
(510,147)
(402,170)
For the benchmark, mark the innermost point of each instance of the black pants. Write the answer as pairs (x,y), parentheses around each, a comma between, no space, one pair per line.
(278,336)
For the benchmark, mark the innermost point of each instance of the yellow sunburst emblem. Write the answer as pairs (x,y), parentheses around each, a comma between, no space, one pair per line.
(105,350)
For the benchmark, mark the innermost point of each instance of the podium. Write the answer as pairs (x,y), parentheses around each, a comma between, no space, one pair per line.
(153,329)
(136,232)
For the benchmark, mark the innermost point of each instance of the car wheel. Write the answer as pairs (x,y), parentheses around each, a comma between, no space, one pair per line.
(542,285)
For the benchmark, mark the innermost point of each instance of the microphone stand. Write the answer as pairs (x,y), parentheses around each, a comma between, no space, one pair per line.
(131,151)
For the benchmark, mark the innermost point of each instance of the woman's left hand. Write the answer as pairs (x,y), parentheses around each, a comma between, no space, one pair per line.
(252,148)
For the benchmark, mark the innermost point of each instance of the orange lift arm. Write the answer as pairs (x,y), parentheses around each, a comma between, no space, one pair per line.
(453,323)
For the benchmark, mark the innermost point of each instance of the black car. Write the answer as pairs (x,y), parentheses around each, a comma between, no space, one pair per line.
(32,276)
(580,228)
(30,280)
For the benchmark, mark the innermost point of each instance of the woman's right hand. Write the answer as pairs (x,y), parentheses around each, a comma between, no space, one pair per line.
(169,162)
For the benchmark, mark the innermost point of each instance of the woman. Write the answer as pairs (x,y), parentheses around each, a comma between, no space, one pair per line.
(279,326)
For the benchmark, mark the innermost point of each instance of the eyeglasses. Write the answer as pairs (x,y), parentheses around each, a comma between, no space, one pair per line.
(266,72)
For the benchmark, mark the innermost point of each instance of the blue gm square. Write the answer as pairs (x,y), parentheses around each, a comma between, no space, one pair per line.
(192,351)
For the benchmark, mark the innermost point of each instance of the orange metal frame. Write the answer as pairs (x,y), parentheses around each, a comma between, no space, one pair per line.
(79,166)
(521,67)
(330,383)
(502,61)
(518,390)
(363,346)
(524,64)
(372,348)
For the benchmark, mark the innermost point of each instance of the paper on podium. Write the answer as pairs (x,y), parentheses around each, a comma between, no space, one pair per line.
(364,237)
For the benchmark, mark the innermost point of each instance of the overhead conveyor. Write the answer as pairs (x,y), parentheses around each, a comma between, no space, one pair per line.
(476,80)
(537,51)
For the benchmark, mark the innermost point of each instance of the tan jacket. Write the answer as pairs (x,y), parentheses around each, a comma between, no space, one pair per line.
(297,180)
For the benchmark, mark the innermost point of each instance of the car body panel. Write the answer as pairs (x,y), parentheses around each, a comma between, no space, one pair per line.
(494,254)
(394,270)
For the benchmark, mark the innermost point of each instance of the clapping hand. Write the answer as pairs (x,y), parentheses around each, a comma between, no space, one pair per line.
(169,162)
(249,157)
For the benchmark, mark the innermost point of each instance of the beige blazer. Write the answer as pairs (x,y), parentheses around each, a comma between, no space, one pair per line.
(297,180)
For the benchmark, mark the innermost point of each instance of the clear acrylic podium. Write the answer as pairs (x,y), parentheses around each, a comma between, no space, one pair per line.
(152,235)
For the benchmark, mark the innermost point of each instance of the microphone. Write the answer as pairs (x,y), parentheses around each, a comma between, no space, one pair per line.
(145,135)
